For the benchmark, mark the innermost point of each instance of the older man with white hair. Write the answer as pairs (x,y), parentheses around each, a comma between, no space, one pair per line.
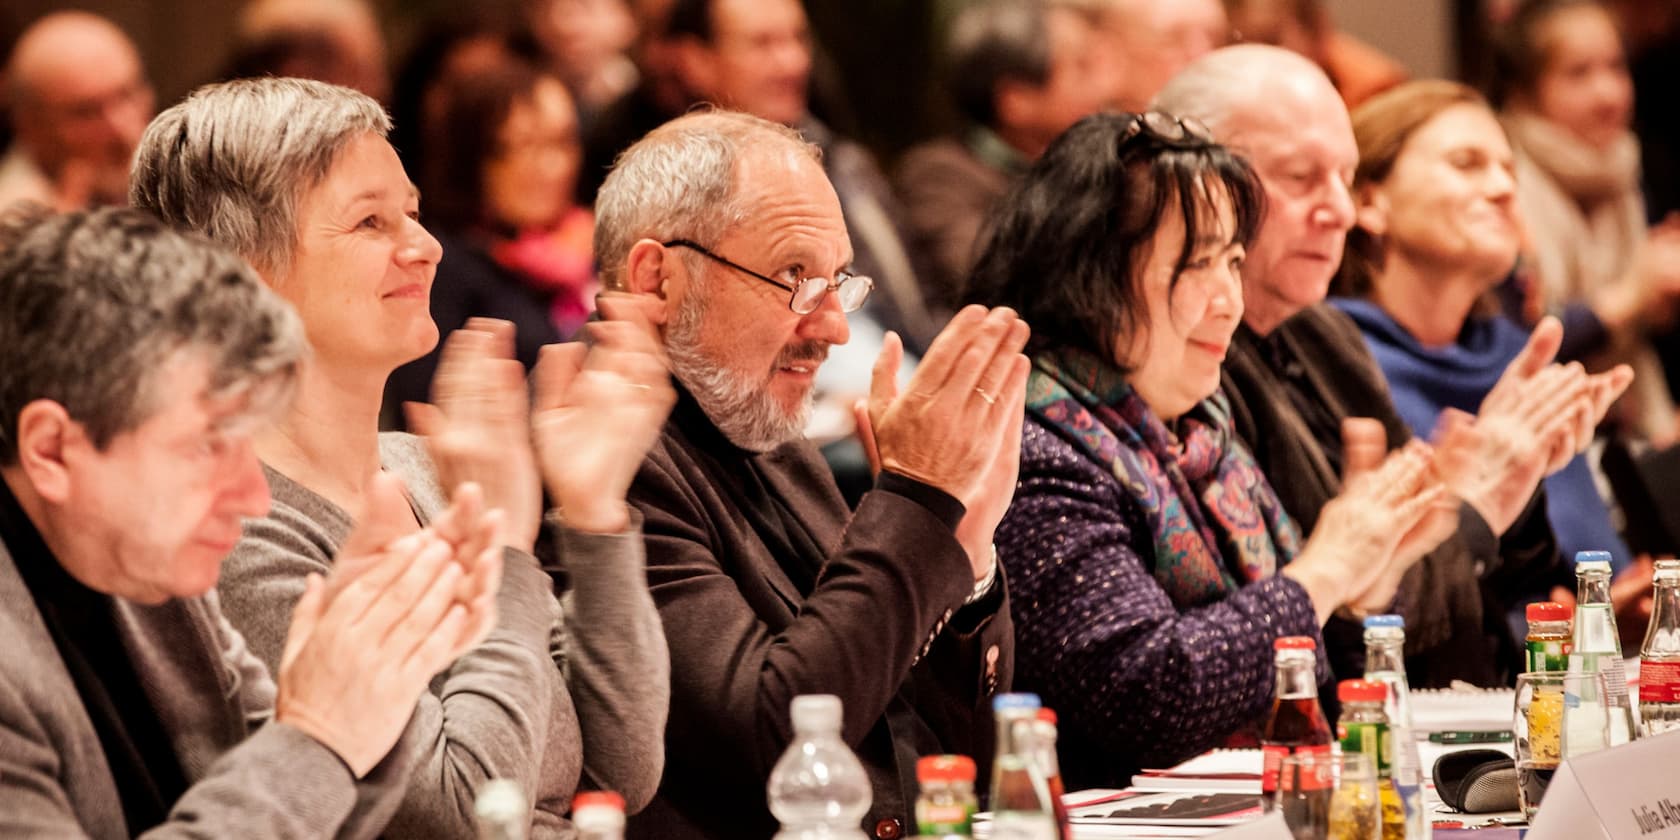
(1310,402)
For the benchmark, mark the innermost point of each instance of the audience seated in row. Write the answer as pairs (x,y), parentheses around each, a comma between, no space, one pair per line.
(129,707)
(297,177)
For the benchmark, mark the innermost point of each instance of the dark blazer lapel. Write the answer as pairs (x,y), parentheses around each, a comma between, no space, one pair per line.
(811,494)
(178,675)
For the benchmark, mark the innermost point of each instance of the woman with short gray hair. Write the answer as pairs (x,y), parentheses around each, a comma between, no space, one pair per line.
(299,178)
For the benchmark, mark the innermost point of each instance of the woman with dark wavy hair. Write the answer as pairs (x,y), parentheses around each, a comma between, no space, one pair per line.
(1151,564)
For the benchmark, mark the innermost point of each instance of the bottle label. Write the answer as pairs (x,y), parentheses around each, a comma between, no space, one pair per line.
(1659,682)
(1019,826)
(943,819)
(1370,738)
(1273,756)
(1548,654)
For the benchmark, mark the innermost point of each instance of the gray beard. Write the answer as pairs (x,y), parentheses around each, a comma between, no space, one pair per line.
(745,412)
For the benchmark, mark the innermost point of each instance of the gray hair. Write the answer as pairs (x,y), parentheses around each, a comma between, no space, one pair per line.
(92,304)
(678,182)
(991,42)
(233,160)
(1222,83)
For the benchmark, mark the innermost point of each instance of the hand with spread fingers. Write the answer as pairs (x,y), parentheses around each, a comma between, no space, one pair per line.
(957,427)
(1534,420)
(1354,554)
(364,644)
(477,427)
(598,411)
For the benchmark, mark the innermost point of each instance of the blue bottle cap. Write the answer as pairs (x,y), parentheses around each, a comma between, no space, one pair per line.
(1017,700)
(1385,621)
(1591,557)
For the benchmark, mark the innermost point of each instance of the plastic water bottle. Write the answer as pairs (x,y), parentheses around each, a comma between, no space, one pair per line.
(818,789)
(598,815)
(1385,663)
(501,811)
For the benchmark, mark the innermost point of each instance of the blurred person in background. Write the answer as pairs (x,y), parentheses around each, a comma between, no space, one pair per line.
(1438,229)
(1357,69)
(586,43)
(1021,72)
(447,46)
(333,41)
(657,97)
(78,99)
(1154,39)
(1566,102)
(499,173)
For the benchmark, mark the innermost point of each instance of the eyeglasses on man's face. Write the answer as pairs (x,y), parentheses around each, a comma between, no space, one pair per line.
(807,293)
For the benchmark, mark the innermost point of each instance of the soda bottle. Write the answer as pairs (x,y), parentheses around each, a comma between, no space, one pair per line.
(1021,807)
(947,804)
(1363,727)
(500,811)
(1659,656)
(1044,736)
(1549,635)
(1596,646)
(1297,722)
(598,815)
(818,788)
(1385,663)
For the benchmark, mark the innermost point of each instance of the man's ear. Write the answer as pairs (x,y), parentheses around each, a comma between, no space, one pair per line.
(647,269)
(44,431)
(1370,210)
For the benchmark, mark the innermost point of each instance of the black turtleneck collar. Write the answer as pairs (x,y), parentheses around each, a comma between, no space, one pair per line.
(81,621)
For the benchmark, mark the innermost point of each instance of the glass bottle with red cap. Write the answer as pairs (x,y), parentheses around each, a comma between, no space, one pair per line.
(946,807)
(1548,637)
(1659,657)
(1297,723)
(598,815)
(1363,727)
(1044,733)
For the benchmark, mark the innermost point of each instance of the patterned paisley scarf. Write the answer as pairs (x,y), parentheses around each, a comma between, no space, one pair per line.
(1235,532)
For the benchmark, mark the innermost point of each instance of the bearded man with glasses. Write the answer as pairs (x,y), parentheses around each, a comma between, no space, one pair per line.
(768,585)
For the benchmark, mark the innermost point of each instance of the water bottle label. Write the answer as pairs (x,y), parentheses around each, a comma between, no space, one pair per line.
(1659,682)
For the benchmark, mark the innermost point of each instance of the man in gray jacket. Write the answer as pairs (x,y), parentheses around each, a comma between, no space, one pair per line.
(134,363)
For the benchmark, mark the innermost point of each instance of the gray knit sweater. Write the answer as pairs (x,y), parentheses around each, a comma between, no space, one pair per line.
(561,688)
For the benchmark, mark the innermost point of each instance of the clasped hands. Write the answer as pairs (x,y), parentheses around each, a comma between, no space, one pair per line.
(1396,507)
(403,602)
(957,426)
